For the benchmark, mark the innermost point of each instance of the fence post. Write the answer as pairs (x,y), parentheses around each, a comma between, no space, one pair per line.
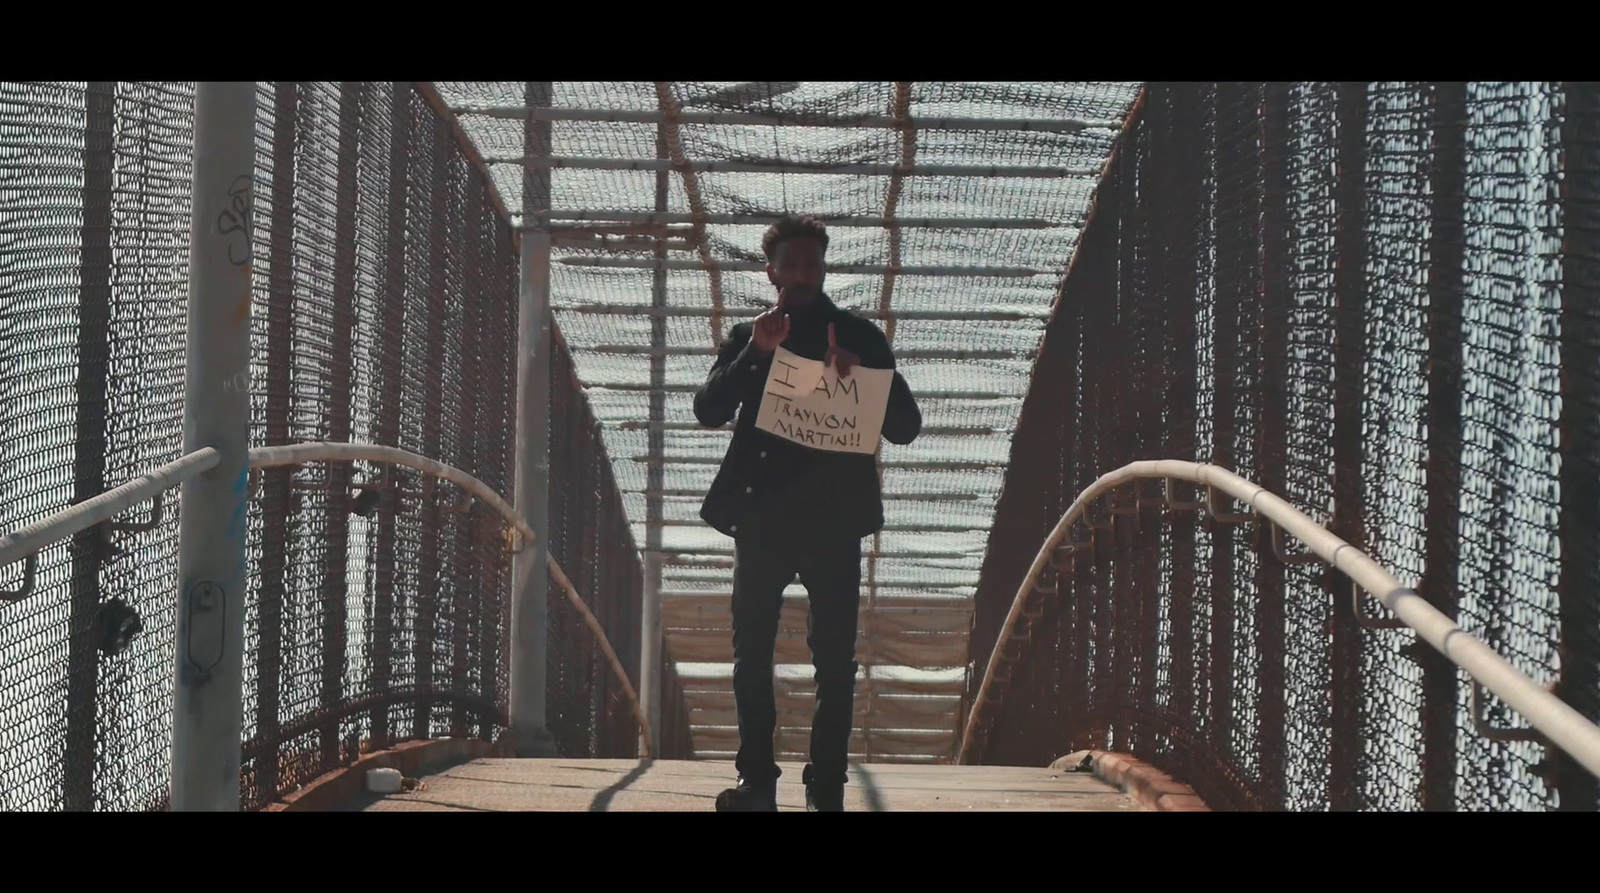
(89,465)
(530,581)
(208,693)
(1579,682)
(651,659)
(650,656)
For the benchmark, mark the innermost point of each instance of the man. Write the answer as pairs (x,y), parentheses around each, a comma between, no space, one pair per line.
(794,509)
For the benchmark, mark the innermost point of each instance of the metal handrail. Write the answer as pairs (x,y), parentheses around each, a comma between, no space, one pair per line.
(74,519)
(300,453)
(27,542)
(1553,719)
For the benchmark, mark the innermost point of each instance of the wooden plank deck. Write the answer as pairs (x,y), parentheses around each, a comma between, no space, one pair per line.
(501,785)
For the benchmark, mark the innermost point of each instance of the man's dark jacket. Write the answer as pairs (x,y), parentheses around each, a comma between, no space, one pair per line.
(768,480)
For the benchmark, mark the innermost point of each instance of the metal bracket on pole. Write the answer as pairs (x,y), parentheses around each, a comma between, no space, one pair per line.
(1218,514)
(516,543)
(207,622)
(1143,501)
(1181,505)
(1131,508)
(1484,728)
(152,523)
(1065,555)
(1361,615)
(1279,550)
(29,579)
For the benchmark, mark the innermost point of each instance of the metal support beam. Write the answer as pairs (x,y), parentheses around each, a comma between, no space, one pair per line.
(573,241)
(650,652)
(1041,314)
(866,169)
(89,444)
(906,495)
(918,464)
(653,527)
(669,147)
(695,554)
(208,693)
(710,351)
(931,586)
(530,580)
(647,217)
(650,616)
(799,119)
(691,388)
(705,561)
(927,431)
(901,112)
(750,266)
(954,600)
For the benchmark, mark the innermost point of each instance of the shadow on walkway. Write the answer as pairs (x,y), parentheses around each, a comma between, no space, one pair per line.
(870,787)
(602,800)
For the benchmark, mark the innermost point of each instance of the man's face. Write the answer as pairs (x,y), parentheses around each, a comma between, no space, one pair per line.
(797,266)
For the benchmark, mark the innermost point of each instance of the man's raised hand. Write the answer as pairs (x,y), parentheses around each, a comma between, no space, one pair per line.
(837,356)
(772,327)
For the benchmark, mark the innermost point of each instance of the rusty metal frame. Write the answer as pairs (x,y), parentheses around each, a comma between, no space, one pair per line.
(779,119)
(668,218)
(1556,722)
(297,454)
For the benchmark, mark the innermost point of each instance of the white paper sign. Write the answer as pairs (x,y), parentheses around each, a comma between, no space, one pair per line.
(809,404)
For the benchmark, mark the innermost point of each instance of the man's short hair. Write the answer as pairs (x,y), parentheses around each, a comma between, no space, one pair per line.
(793,227)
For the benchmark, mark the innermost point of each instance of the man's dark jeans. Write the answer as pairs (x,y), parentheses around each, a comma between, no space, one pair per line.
(829,566)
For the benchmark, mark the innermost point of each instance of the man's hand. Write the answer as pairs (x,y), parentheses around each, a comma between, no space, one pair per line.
(772,327)
(838,356)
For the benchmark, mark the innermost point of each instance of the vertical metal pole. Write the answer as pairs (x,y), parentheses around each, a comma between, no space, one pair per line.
(279,519)
(208,697)
(1442,514)
(530,579)
(1276,306)
(1347,707)
(389,380)
(650,616)
(650,647)
(1227,208)
(336,515)
(89,464)
(1177,182)
(1579,682)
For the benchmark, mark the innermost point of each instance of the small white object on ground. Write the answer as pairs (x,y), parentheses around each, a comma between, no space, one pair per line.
(383,781)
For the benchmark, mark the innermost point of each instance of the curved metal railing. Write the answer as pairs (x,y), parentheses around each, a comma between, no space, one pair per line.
(1552,720)
(26,543)
(300,453)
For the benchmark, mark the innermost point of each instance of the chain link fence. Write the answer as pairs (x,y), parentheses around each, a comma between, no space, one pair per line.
(386,312)
(1377,301)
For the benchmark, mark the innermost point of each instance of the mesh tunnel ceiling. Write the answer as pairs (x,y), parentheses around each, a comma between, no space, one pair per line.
(981,229)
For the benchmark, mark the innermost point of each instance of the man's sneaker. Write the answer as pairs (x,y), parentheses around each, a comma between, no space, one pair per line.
(822,797)
(749,797)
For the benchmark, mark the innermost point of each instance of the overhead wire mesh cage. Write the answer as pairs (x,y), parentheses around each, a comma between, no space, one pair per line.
(953,212)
